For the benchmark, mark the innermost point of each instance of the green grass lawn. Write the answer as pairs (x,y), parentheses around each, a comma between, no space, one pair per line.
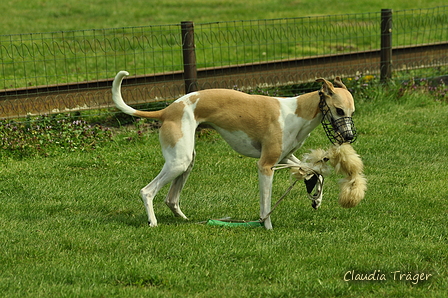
(73,225)
(22,16)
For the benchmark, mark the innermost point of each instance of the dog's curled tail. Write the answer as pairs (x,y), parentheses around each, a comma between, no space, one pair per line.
(120,104)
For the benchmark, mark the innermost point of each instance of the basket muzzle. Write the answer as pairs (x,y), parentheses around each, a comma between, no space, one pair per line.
(338,131)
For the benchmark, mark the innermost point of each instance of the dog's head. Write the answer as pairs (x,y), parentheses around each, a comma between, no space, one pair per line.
(337,107)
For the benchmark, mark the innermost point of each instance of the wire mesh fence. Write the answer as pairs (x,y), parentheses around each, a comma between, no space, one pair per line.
(58,58)
(418,27)
(266,40)
(66,71)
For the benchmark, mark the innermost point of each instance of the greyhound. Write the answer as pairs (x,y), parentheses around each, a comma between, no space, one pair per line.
(268,128)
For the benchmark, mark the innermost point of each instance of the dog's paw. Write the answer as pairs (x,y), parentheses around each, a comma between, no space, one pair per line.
(152,225)
(268,224)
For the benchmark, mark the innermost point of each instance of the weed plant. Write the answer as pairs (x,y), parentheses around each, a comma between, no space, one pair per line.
(414,87)
(44,135)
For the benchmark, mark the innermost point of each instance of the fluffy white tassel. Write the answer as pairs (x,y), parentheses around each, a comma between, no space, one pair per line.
(347,162)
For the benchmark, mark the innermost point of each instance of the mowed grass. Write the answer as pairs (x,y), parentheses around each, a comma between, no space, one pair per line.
(22,16)
(72,225)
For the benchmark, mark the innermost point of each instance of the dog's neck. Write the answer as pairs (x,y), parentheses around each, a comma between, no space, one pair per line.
(308,106)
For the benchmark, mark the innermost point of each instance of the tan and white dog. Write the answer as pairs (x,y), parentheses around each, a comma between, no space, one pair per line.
(268,128)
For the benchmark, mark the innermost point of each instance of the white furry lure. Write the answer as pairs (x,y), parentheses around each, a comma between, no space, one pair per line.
(347,162)
(344,159)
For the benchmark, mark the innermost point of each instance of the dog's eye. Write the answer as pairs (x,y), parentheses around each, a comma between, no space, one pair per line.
(340,112)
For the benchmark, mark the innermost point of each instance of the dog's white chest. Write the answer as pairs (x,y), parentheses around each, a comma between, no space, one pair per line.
(296,131)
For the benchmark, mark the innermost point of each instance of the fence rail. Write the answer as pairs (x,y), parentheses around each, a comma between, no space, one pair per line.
(245,54)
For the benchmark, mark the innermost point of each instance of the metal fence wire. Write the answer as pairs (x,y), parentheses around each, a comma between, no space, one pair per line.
(65,71)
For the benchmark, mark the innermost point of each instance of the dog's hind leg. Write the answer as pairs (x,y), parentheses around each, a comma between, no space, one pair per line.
(172,198)
(173,169)
(149,191)
(179,158)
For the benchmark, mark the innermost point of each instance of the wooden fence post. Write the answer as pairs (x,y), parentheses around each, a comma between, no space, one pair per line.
(386,45)
(189,55)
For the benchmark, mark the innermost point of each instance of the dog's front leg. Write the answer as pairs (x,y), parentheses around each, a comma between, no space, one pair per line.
(265,179)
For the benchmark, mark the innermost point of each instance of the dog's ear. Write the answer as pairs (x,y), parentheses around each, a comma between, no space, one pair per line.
(327,87)
(338,83)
